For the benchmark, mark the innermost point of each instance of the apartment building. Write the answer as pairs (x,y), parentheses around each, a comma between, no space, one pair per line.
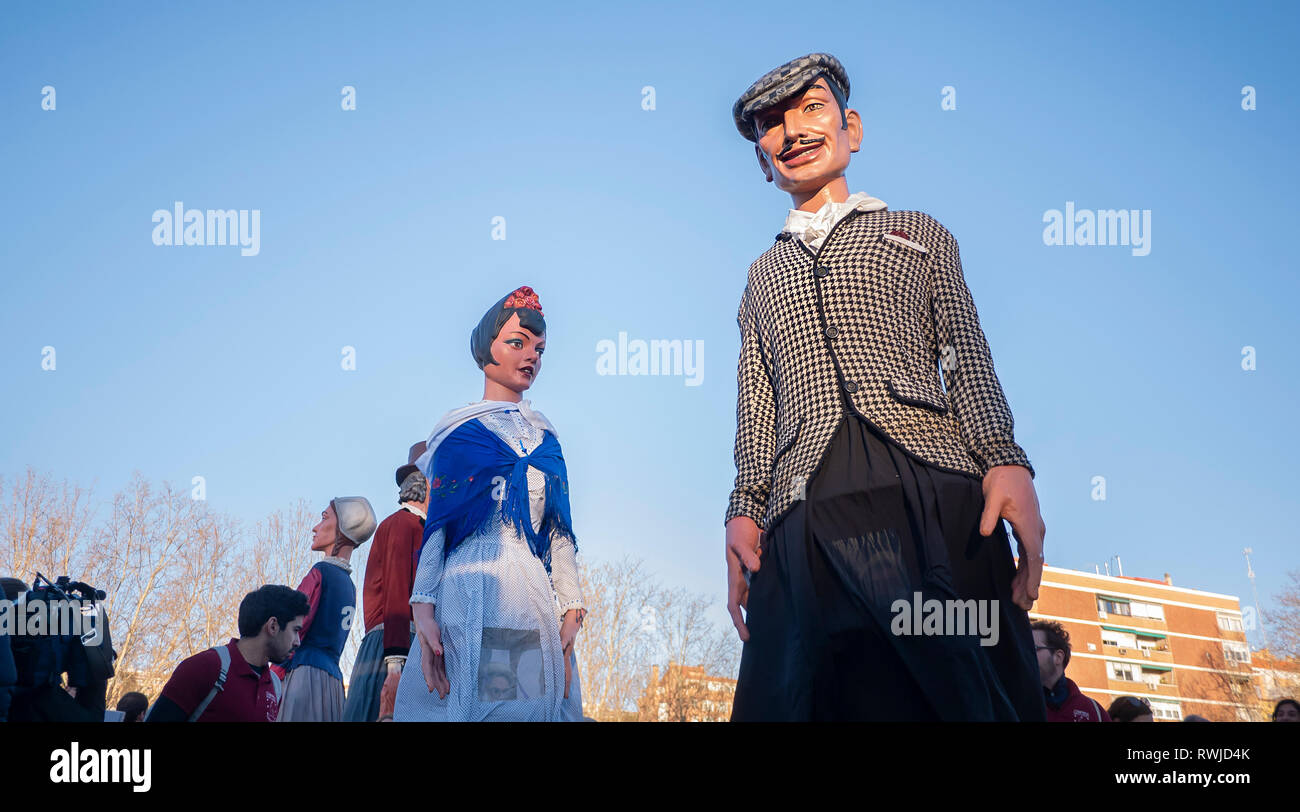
(1183,650)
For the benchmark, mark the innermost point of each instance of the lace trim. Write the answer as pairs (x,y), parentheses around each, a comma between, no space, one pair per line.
(338,562)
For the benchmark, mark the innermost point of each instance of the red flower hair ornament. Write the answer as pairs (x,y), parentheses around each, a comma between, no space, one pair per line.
(524,297)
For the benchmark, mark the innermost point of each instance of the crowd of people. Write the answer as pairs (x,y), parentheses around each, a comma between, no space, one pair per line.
(471,592)
(471,596)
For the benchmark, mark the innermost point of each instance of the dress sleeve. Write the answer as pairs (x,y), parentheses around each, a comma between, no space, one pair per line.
(564,577)
(428,575)
(311,587)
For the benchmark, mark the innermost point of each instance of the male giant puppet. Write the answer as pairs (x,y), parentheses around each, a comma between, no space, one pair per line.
(864,533)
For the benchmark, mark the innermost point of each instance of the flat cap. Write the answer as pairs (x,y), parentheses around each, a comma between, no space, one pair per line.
(779,84)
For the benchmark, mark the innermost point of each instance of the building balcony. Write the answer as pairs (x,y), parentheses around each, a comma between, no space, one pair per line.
(1158,656)
(1169,689)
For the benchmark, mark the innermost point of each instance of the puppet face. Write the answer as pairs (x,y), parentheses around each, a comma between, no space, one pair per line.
(326,533)
(518,355)
(802,145)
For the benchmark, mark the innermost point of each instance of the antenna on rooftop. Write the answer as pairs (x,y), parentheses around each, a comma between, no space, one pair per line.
(1250,573)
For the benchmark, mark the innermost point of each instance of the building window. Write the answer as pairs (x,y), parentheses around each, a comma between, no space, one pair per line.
(1112,607)
(1151,611)
(1122,671)
(1235,652)
(1166,710)
(1229,623)
(1148,643)
(1110,637)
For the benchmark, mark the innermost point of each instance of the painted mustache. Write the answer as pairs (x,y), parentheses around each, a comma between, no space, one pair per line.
(803,142)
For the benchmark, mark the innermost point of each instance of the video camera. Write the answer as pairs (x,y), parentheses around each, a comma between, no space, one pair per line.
(59,628)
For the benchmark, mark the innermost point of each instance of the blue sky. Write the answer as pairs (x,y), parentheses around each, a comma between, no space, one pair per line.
(376,234)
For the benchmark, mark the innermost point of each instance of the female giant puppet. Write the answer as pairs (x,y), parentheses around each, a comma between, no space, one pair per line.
(496,599)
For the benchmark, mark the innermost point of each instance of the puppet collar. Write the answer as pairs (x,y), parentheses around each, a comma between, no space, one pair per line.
(812,227)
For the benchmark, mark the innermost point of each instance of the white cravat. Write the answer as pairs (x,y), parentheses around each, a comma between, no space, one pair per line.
(812,228)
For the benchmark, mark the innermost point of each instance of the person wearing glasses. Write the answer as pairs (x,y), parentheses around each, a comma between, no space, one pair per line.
(1064,701)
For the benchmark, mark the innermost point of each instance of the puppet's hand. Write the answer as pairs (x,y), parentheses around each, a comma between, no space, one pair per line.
(568,633)
(388,693)
(1009,494)
(432,665)
(744,547)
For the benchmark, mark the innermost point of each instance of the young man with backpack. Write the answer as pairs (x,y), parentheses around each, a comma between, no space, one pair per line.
(234,682)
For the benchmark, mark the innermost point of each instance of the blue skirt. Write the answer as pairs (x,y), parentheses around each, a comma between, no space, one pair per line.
(368,673)
(842,612)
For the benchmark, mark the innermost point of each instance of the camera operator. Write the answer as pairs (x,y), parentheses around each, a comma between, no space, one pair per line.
(47,651)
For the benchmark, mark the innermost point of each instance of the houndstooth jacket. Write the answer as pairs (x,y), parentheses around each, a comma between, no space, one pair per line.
(868,319)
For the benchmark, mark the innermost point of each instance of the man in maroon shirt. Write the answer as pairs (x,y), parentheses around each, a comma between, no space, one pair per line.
(386,599)
(270,620)
(1064,702)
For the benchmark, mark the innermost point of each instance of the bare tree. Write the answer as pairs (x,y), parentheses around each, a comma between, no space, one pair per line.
(634,623)
(43,523)
(1225,681)
(175,572)
(617,641)
(281,548)
(167,565)
(1284,620)
(690,640)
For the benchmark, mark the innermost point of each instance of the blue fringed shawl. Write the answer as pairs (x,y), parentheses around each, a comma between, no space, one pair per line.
(461,482)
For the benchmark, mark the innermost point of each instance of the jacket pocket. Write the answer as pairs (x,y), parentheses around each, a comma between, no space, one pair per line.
(915,393)
(911,246)
(785,439)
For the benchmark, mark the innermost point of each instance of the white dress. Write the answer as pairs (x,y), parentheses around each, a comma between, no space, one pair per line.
(499,615)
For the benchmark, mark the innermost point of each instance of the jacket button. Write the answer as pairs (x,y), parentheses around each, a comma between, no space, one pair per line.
(821,270)
(832,331)
(850,387)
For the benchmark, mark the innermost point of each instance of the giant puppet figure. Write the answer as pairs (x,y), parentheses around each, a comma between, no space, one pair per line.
(496,597)
(875,458)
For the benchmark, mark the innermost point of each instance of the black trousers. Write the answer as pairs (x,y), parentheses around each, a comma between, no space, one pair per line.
(830,637)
